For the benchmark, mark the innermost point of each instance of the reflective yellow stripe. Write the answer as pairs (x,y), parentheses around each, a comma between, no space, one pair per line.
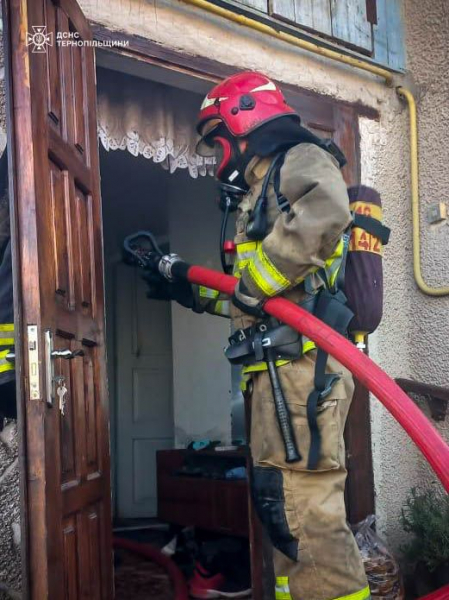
(282,589)
(364,594)
(5,365)
(333,263)
(245,253)
(246,249)
(239,266)
(308,346)
(367,209)
(222,308)
(265,275)
(262,366)
(7,334)
(206,292)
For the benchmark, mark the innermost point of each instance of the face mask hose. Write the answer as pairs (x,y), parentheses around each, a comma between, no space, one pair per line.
(230,197)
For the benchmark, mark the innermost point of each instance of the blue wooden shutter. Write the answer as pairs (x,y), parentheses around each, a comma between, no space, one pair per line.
(388,34)
(374,27)
(261,5)
(350,23)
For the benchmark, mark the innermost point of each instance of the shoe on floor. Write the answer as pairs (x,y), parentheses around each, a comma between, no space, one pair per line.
(207,586)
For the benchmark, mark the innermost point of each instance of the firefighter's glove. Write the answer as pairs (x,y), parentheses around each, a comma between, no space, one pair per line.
(159,288)
(243,300)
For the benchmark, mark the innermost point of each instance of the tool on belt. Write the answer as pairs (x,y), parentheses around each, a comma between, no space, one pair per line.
(270,341)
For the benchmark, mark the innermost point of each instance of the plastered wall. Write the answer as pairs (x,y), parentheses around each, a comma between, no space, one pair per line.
(413,339)
(201,376)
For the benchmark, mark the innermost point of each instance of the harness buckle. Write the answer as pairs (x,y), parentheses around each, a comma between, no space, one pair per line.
(283,203)
(329,380)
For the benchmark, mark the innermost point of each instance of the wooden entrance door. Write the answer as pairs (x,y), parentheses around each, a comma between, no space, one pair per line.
(332,119)
(59,286)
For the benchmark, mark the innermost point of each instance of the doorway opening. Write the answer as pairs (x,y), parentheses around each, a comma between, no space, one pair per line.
(178,456)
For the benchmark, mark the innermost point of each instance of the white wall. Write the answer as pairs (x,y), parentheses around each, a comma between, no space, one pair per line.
(201,374)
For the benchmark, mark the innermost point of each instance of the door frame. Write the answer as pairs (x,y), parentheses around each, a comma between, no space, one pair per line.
(18,321)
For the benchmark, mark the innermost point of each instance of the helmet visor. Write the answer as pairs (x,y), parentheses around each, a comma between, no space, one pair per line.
(206,145)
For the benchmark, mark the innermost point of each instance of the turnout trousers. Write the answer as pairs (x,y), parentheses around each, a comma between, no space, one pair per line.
(315,556)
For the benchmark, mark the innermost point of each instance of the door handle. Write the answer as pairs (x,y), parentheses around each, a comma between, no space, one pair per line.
(67,354)
(50,355)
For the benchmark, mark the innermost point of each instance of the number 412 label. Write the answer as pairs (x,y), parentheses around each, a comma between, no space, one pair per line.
(361,241)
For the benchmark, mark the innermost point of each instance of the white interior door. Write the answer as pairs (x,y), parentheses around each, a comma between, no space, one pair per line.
(143,366)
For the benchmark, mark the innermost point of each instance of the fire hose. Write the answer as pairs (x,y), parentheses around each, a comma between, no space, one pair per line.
(400,406)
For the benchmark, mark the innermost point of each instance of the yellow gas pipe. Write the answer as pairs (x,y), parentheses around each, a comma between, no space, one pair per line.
(364,66)
(414,177)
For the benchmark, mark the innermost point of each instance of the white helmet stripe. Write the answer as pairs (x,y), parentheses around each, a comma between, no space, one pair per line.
(209,101)
(270,86)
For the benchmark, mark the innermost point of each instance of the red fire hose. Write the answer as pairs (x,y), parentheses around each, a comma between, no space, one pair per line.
(403,409)
(442,594)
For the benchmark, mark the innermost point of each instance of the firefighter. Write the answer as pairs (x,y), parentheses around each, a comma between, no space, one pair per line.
(292,212)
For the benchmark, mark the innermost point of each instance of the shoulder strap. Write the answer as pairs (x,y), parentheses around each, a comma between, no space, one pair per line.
(283,203)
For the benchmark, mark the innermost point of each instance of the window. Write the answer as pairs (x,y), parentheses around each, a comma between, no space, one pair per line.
(371,27)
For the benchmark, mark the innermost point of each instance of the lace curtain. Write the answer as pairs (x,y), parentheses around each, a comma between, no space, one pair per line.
(150,119)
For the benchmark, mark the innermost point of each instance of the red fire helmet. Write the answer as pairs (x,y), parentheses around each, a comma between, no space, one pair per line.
(243,102)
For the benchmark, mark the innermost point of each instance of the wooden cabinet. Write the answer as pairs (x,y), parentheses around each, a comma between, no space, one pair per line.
(218,505)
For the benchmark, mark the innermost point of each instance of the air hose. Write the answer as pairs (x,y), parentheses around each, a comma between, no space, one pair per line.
(155,555)
(401,407)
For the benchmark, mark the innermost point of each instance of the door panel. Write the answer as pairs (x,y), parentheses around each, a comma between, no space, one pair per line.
(60,280)
(328,118)
(144,392)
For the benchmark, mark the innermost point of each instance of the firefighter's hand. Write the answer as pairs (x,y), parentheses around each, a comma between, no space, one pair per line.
(243,300)
(159,288)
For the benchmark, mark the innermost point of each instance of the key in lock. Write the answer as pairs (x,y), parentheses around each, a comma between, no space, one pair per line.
(61,392)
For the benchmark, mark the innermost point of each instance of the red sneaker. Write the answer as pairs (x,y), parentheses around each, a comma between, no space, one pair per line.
(206,586)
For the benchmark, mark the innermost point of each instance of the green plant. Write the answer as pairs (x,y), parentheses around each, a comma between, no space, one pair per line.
(426,515)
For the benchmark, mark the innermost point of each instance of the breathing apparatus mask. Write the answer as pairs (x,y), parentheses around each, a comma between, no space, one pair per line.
(231,162)
(218,142)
